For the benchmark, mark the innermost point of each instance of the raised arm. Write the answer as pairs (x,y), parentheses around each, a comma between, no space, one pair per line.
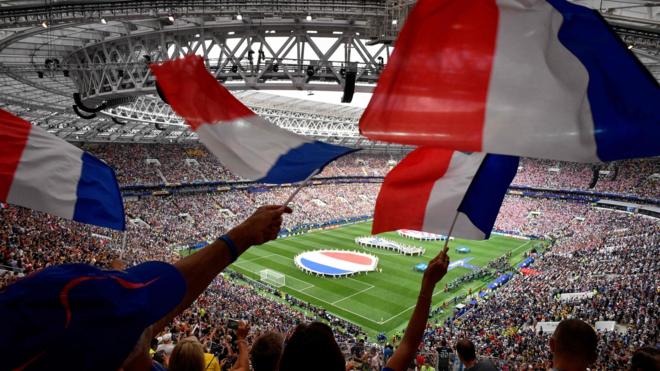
(201,268)
(406,351)
(243,362)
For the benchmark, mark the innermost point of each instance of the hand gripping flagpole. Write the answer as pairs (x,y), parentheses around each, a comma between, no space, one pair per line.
(301,185)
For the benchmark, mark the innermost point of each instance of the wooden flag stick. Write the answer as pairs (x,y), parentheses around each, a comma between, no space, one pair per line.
(300,186)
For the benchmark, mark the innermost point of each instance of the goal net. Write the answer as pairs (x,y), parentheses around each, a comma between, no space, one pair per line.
(272,277)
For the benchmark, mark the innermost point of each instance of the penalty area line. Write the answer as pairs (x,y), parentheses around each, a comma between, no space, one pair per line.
(350,296)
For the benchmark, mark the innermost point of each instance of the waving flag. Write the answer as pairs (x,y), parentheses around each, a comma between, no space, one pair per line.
(43,172)
(245,143)
(430,185)
(545,79)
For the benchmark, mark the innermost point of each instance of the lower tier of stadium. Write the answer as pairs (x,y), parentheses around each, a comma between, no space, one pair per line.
(612,253)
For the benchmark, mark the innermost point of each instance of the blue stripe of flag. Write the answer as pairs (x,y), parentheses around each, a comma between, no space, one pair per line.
(484,196)
(99,200)
(300,162)
(624,97)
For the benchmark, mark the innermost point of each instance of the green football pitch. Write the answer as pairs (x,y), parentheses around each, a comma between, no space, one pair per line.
(377,301)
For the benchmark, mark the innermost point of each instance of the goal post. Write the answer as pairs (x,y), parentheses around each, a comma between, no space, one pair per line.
(273,278)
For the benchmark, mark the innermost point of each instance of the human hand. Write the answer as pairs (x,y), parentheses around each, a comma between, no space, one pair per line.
(260,227)
(242,330)
(436,269)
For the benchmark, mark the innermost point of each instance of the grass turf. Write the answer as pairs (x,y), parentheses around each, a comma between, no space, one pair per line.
(377,301)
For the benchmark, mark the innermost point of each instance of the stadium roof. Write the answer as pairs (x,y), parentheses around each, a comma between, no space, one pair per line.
(51,50)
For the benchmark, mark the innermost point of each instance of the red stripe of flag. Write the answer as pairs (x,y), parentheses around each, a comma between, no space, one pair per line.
(194,93)
(405,192)
(434,88)
(14,134)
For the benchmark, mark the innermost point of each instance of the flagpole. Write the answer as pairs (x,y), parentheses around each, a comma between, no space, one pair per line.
(301,185)
(451,229)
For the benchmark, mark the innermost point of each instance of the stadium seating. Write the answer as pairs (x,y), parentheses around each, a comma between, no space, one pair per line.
(634,177)
(596,250)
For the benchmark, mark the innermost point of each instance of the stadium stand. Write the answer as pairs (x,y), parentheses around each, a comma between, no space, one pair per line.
(595,249)
(632,178)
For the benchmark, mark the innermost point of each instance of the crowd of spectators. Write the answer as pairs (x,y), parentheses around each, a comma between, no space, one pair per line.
(192,163)
(193,218)
(634,177)
(611,253)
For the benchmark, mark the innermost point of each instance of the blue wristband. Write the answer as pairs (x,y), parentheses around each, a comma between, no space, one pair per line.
(231,245)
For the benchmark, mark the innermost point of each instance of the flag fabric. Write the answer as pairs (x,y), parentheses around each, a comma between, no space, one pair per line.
(430,185)
(544,79)
(43,172)
(245,143)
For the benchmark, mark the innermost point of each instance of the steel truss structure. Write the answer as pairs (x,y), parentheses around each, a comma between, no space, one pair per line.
(277,55)
(319,121)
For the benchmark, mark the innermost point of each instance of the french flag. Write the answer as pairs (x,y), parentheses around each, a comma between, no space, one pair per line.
(432,185)
(536,78)
(43,172)
(245,143)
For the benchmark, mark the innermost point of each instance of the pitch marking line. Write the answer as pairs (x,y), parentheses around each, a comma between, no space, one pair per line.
(359,292)
(309,285)
(350,296)
(257,258)
(363,283)
(520,247)
(403,311)
(240,263)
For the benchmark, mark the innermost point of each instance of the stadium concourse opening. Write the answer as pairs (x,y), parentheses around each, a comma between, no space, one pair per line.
(211,177)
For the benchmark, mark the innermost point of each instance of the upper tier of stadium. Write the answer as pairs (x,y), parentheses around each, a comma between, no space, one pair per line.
(152,164)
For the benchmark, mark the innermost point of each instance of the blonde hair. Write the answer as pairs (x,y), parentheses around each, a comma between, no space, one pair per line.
(188,355)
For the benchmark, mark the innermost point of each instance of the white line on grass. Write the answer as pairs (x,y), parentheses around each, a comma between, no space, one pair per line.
(309,285)
(350,296)
(405,310)
(519,247)
(257,258)
(364,283)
